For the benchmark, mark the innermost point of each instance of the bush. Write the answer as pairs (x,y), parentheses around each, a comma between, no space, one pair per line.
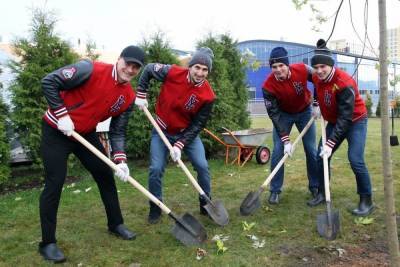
(4,144)
(39,55)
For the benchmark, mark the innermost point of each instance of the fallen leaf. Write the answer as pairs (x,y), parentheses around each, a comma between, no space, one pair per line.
(220,247)
(268,209)
(77,191)
(220,237)
(71,185)
(18,198)
(247,226)
(88,189)
(253,237)
(200,253)
(363,220)
(341,252)
(259,244)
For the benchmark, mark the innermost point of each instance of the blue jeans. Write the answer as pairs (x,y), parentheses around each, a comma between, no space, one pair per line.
(158,159)
(309,144)
(356,137)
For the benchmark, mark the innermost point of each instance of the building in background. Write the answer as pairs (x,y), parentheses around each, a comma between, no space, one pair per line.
(393,36)
(363,68)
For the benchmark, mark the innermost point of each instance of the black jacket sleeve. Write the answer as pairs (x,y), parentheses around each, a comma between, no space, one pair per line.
(345,109)
(151,71)
(117,132)
(310,72)
(274,112)
(65,78)
(197,124)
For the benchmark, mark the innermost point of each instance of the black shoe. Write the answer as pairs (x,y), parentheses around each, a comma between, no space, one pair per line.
(154,214)
(314,192)
(273,198)
(51,252)
(203,211)
(123,232)
(202,203)
(365,207)
(320,198)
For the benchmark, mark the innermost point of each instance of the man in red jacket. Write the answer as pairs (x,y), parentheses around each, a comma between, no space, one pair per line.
(80,96)
(344,109)
(288,102)
(182,110)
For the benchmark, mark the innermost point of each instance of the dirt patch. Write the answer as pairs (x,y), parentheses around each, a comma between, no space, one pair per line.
(371,253)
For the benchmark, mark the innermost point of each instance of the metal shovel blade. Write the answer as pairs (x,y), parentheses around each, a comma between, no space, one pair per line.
(188,230)
(328,224)
(251,203)
(394,141)
(217,212)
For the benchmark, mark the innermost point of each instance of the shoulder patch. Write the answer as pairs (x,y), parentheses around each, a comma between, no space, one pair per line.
(68,73)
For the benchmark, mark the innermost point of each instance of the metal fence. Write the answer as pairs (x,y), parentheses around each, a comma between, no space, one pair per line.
(256,107)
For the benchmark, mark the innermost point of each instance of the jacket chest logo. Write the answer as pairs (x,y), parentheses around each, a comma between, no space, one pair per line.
(335,87)
(117,105)
(327,98)
(189,105)
(298,86)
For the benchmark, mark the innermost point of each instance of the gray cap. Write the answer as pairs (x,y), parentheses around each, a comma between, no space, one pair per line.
(203,56)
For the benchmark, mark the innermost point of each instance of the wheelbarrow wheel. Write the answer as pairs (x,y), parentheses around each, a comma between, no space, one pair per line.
(263,155)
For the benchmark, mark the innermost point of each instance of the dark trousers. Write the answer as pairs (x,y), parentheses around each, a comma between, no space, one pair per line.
(55,149)
(356,137)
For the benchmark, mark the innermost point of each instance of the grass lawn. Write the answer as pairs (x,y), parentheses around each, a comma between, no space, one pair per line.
(289,229)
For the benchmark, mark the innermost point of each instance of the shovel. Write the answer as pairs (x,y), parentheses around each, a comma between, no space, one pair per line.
(394,141)
(328,224)
(215,208)
(252,201)
(187,229)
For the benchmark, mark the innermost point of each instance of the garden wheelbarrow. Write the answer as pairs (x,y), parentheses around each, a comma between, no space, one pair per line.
(246,142)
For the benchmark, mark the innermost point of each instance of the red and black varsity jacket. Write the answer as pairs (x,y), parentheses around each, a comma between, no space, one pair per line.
(90,93)
(182,107)
(290,95)
(340,102)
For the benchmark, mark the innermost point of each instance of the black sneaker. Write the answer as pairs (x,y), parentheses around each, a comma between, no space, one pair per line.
(314,192)
(273,198)
(123,232)
(202,203)
(320,198)
(365,206)
(51,252)
(154,214)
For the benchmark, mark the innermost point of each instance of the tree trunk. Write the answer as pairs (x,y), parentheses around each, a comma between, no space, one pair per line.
(391,225)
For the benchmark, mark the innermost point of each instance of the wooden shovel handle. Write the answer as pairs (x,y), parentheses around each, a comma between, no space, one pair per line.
(113,166)
(325,161)
(169,146)
(284,158)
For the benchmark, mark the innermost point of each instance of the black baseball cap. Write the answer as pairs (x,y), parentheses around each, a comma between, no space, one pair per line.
(133,54)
